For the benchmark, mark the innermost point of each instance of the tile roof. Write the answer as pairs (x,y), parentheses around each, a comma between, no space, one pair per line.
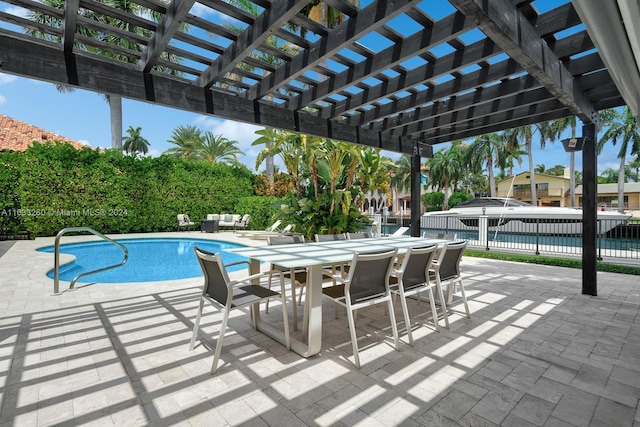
(18,136)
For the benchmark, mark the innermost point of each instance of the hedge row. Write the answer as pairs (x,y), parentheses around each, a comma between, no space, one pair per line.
(53,186)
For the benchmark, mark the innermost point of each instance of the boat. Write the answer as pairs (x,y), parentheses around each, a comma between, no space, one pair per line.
(515,216)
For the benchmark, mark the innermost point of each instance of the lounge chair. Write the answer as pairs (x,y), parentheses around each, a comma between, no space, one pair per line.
(243,222)
(400,231)
(271,229)
(185,222)
(284,232)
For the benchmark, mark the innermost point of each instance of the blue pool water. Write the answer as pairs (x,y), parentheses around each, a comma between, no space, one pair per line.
(149,259)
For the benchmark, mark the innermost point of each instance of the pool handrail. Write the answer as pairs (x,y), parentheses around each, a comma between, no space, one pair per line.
(56,257)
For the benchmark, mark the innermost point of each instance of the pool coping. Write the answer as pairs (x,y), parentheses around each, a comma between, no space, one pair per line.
(42,262)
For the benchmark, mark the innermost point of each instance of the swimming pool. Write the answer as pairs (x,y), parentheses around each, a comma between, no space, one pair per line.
(149,260)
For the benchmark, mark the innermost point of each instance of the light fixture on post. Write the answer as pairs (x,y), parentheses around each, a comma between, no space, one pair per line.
(573,144)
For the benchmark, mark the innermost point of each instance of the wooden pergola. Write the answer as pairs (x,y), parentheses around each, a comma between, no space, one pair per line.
(399,75)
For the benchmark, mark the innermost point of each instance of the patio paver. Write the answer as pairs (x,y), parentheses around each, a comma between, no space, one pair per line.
(535,352)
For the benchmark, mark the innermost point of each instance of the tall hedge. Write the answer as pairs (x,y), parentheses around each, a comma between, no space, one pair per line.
(60,186)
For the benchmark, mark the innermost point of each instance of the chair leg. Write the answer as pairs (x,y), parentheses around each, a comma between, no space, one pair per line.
(354,341)
(443,303)
(285,319)
(197,325)
(405,310)
(394,327)
(464,300)
(223,328)
(434,312)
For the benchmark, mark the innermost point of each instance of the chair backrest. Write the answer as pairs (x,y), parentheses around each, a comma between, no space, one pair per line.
(441,236)
(415,265)
(284,240)
(360,235)
(216,279)
(450,264)
(274,226)
(180,218)
(400,231)
(287,229)
(330,237)
(213,217)
(369,275)
(183,219)
(245,220)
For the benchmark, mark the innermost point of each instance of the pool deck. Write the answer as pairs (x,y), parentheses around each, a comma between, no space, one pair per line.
(536,352)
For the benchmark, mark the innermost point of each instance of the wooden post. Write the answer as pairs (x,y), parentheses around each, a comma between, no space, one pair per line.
(589,211)
(415,191)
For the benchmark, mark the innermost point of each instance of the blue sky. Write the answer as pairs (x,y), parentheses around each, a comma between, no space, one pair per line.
(84,116)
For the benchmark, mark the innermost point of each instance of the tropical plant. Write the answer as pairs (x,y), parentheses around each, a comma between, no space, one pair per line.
(135,143)
(185,138)
(545,132)
(622,127)
(445,170)
(217,149)
(400,178)
(484,152)
(560,125)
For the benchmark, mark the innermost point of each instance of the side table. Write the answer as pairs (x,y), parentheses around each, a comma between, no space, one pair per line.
(209,226)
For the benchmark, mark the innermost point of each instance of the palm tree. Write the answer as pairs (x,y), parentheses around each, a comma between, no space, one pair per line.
(216,149)
(485,151)
(400,173)
(622,128)
(526,132)
(445,170)
(560,125)
(135,142)
(114,101)
(371,171)
(186,138)
(541,168)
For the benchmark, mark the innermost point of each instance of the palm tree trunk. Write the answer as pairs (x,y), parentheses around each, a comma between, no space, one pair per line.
(621,185)
(492,181)
(572,169)
(572,178)
(115,110)
(532,174)
(269,166)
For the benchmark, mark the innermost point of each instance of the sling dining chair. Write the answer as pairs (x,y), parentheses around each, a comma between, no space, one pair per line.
(446,268)
(412,278)
(228,294)
(366,284)
(297,276)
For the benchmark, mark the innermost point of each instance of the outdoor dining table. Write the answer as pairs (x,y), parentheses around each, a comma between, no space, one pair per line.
(314,256)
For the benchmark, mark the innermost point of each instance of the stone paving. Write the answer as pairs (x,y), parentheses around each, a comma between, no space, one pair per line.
(536,352)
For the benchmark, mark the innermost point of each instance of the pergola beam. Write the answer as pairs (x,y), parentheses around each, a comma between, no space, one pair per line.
(367,20)
(167,27)
(265,25)
(504,24)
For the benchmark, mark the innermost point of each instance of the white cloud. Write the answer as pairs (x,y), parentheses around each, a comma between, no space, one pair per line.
(84,142)
(3,99)
(6,78)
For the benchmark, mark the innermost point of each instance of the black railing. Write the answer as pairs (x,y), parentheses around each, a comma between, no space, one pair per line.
(616,238)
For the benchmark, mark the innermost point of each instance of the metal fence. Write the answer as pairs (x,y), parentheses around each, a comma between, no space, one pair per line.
(615,239)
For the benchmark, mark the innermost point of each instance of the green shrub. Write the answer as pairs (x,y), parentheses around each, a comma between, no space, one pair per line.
(261,209)
(115,193)
(458,197)
(11,164)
